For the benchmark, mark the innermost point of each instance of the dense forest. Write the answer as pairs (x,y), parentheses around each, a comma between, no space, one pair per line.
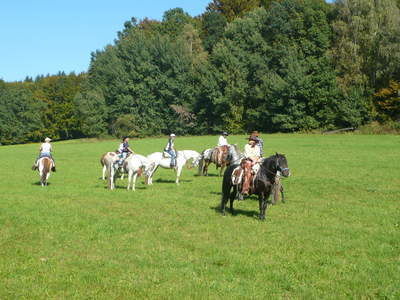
(272,66)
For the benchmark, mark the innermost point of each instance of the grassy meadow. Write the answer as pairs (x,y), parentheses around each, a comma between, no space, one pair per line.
(337,236)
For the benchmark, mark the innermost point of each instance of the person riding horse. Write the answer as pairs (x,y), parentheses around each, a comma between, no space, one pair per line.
(222,148)
(248,167)
(45,151)
(170,149)
(124,150)
(260,142)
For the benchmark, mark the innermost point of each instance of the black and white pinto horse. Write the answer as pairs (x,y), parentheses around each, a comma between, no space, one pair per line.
(262,184)
(234,156)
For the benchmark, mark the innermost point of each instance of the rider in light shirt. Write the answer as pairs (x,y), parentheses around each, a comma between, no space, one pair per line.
(222,141)
(170,149)
(45,151)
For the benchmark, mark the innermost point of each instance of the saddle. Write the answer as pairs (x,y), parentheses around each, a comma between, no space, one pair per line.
(243,176)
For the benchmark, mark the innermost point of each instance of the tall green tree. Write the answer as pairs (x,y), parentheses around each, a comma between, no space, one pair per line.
(20,114)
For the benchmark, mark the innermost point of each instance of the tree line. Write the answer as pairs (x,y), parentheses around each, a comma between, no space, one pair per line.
(289,65)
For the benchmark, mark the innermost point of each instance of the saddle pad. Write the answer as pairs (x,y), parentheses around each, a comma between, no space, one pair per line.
(237,175)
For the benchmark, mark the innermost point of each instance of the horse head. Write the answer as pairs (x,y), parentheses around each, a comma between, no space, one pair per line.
(282,165)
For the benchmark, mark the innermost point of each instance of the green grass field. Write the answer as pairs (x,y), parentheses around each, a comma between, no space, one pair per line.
(338,235)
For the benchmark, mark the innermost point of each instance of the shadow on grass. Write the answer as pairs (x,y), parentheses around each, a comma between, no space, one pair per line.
(209,175)
(120,187)
(236,212)
(215,193)
(38,183)
(159,180)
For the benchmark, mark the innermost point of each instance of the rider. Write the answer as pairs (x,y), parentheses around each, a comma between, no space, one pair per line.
(45,151)
(222,141)
(222,146)
(170,149)
(252,152)
(260,142)
(124,150)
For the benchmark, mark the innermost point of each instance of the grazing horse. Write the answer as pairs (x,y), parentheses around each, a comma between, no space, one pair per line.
(261,185)
(211,156)
(158,160)
(45,164)
(133,165)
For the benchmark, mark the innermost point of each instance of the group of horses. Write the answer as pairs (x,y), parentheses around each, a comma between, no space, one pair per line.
(263,183)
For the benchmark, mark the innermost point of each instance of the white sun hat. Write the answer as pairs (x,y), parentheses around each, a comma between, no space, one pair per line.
(47,139)
(172,135)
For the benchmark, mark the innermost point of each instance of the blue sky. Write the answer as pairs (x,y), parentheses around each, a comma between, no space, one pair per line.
(47,36)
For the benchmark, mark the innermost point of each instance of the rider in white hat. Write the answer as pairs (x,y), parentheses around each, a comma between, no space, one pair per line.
(45,151)
(170,149)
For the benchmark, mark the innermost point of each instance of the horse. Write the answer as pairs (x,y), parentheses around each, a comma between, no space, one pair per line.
(158,160)
(211,156)
(132,165)
(103,164)
(45,164)
(262,183)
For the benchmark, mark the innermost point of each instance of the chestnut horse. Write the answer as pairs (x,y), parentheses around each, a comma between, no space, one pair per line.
(45,164)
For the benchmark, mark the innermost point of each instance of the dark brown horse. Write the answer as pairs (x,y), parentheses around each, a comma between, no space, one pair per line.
(261,185)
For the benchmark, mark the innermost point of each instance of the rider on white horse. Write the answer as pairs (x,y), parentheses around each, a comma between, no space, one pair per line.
(45,151)
(124,150)
(170,149)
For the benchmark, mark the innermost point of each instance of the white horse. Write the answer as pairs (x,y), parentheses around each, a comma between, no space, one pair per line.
(158,160)
(133,166)
(45,164)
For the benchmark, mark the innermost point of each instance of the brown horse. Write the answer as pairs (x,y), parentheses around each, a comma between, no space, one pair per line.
(218,155)
(45,165)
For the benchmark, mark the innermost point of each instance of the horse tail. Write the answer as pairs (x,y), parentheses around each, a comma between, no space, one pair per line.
(46,169)
(102,162)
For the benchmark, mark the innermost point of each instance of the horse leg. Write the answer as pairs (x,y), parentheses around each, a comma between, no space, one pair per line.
(232,198)
(178,174)
(130,173)
(262,202)
(134,181)
(205,169)
(282,195)
(224,201)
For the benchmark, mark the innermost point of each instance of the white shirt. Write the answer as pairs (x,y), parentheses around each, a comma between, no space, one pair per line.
(45,147)
(222,141)
(252,151)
